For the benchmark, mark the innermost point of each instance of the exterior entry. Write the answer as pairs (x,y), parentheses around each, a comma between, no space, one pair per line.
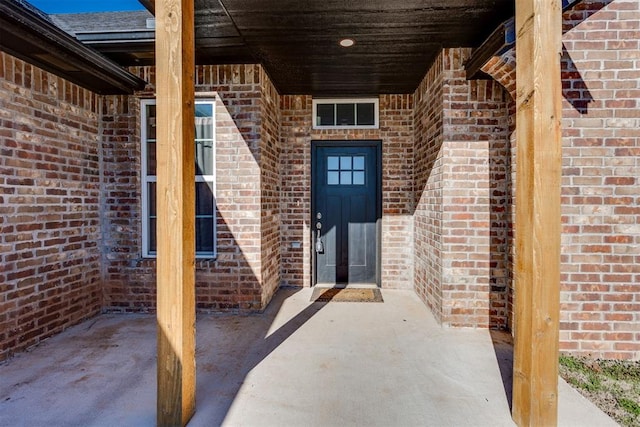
(346,212)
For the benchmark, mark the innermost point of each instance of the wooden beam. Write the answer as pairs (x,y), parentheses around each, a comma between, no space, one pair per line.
(175,211)
(537,227)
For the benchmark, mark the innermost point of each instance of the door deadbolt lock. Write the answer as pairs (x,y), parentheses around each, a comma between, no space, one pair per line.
(318,215)
(318,225)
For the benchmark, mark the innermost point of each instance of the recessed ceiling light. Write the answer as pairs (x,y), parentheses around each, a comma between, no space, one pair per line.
(347,42)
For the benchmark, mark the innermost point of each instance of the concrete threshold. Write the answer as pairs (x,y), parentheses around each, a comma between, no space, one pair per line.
(297,364)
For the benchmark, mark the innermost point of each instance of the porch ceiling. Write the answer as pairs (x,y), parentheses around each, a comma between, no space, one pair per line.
(297,40)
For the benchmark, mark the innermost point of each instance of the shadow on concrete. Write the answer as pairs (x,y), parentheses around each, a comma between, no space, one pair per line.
(224,366)
(503,348)
(299,363)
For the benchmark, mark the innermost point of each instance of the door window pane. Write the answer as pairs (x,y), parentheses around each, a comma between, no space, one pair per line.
(333,178)
(358,178)
(358,163)
(333,163)
(345,163)
(345,178)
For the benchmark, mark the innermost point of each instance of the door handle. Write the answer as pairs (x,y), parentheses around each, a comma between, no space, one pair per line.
(319,244)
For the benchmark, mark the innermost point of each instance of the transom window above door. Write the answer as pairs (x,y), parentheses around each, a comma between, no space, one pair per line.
(345,113)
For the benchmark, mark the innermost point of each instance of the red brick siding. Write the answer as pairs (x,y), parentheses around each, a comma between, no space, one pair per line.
(396,133)
(236,279)
(126,274)
(270,187)
(461,223)
(503,69)
(475,198)
(49,205)
(511,189)
(398,205)
(428,169)
(601,230)
(600,297)
(295,205)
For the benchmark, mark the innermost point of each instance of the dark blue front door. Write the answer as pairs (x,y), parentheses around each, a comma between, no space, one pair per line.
(346,187)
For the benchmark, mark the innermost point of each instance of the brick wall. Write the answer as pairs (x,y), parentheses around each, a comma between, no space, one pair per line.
(475,198)
(600,297)
(396,133)
(126,275)
(600,293)
(398,205)
(241,278)
(270,152)
(428,138)
(295,194)
(462,184)
(49,205)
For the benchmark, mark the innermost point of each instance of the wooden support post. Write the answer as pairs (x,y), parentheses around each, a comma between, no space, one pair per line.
(176,211)
(537,226)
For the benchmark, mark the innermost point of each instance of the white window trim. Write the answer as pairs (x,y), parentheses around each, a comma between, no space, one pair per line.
(145,180)
(376,111)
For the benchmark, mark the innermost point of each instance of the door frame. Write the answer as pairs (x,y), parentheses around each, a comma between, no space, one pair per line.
(374,143)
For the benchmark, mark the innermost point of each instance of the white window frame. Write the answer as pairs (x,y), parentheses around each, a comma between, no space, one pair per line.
(146,179)
(376,112)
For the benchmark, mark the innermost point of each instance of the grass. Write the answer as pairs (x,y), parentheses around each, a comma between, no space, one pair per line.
(613,385)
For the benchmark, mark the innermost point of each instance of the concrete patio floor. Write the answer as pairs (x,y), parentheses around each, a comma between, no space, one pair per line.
(298,364)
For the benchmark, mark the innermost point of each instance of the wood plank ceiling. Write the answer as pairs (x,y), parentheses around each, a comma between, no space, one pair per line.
(298,40)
